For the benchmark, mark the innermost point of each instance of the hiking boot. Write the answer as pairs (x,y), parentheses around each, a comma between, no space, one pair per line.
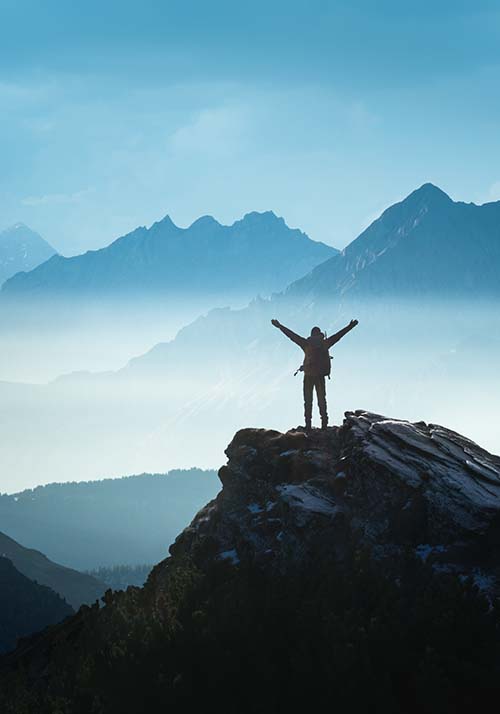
(324,424)
(308,427)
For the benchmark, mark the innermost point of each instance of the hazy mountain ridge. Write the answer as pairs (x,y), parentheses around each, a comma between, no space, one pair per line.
(122,521)
(97,310)
(21,249)
(257,254)
(75,587)
(25,606)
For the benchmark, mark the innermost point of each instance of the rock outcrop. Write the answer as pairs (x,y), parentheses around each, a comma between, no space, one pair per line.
(391,485)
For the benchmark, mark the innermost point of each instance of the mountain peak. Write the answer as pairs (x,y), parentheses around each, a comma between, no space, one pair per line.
(18,228)
(165,222)
(21,250)
(428,191)
(263,217)
(204,222)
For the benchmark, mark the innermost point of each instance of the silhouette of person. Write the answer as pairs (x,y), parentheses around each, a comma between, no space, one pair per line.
(316,366)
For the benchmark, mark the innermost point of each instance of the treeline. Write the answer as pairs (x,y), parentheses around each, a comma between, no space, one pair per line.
(119,577)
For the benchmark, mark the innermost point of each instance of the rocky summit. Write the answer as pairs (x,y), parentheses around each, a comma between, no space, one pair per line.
(353,569)
(390,485)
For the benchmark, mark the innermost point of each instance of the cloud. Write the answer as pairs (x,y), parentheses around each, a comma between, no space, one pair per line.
(361,115)
(493,193)
(220,131)
(57,199)
(39,125)
(14,95)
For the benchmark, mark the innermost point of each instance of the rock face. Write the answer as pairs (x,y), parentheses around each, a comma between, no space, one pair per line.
(391,485)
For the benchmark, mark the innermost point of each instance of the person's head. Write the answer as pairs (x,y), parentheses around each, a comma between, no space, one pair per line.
(316,332)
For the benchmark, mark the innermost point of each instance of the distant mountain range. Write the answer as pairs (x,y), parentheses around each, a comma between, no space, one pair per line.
(76,588)
(257,254)
(426,246)
(21,249)
(25,606)
(112,522)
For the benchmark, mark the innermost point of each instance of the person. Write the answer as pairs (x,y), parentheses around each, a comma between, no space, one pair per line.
(316,366)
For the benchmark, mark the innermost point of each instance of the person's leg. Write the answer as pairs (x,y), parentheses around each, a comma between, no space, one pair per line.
(308,399)
(321,397)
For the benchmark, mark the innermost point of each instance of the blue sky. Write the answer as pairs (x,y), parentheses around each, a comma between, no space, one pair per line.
(113,114)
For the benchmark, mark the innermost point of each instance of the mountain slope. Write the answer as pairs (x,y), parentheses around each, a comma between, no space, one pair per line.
(358,564)
(426,245)
(21,249)
(75,587)
(257,254)
(25,606)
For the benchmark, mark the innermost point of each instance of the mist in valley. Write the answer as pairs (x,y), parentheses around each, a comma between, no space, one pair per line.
(97,310)
(46,338)
(179,404)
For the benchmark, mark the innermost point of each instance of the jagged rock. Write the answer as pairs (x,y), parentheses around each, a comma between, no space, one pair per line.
(384,483)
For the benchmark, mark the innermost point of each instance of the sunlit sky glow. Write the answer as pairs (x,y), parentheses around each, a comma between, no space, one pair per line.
(114,114)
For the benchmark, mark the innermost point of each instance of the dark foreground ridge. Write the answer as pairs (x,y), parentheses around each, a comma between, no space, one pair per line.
(350,568)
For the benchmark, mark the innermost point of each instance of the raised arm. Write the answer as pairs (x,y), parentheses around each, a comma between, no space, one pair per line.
(340,334)
(300,341)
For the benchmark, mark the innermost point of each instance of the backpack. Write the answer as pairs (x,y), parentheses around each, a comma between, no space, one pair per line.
(317,361)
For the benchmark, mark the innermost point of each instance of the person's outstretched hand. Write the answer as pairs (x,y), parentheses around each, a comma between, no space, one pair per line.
(353,323)
(275,323)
